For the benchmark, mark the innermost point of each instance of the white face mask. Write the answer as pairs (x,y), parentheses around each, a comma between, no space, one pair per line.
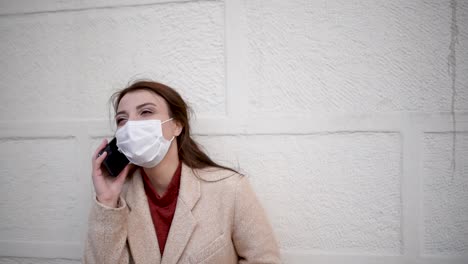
(143,142)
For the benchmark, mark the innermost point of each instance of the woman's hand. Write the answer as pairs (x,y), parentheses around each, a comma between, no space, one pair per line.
(107,188)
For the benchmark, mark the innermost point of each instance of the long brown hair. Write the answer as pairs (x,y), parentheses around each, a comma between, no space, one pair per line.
(189,151)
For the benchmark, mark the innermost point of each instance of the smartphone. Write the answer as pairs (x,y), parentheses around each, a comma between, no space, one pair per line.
(115,161)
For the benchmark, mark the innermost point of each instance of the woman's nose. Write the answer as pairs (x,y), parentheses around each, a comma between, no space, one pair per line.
(134,117)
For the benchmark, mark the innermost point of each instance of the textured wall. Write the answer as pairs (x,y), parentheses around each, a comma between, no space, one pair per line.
(339,111)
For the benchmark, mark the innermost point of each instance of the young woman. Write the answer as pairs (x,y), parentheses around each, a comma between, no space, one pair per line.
(172,203)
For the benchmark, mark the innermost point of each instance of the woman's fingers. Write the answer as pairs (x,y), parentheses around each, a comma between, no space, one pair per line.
(123,174)
(98,161)
(101,147)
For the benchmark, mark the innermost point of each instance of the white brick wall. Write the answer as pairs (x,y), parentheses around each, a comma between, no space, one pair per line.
(339,112)
(445,216)
(321,193)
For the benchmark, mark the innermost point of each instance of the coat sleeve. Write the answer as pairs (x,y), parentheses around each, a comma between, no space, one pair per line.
(106,240)
(253,235)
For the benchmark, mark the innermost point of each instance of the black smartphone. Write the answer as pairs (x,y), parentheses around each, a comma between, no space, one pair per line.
(115,161)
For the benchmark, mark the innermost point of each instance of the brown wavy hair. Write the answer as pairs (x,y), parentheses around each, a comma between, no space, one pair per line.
(189,151)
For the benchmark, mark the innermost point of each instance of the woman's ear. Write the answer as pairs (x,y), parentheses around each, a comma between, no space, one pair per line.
(178,128)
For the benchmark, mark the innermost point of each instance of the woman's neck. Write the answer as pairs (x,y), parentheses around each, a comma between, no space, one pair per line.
(161,175)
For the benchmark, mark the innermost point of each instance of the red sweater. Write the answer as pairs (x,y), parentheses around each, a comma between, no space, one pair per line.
(162,208)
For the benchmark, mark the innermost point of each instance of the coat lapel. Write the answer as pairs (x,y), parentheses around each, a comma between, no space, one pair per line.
(142,238)
(183,223)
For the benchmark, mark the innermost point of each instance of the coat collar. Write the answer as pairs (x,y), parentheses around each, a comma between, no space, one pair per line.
(183,224)
(142,238)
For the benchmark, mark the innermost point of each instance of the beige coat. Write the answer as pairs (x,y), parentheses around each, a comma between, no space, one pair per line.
(218,219)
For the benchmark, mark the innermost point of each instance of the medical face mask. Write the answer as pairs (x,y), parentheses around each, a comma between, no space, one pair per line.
(143,142)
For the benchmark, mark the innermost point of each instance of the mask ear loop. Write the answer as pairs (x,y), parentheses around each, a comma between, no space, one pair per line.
(167,120)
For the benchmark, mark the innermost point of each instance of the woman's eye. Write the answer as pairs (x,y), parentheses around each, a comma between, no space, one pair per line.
(146,112)
(119,121)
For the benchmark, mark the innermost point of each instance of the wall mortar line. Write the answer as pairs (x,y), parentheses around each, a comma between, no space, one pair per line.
(235,59)
(63,10)
(452,69)
(411,193)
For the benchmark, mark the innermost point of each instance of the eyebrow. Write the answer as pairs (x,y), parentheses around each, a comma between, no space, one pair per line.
(138,107)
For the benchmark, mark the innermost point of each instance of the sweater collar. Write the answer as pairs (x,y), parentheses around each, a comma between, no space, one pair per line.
(171,192)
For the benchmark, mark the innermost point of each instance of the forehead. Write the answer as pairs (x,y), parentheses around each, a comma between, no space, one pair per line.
(135,98)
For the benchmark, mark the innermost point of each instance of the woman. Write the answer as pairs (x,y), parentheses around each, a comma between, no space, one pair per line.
(172,203)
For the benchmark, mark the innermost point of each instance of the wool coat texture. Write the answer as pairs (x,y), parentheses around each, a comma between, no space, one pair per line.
(218,219)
